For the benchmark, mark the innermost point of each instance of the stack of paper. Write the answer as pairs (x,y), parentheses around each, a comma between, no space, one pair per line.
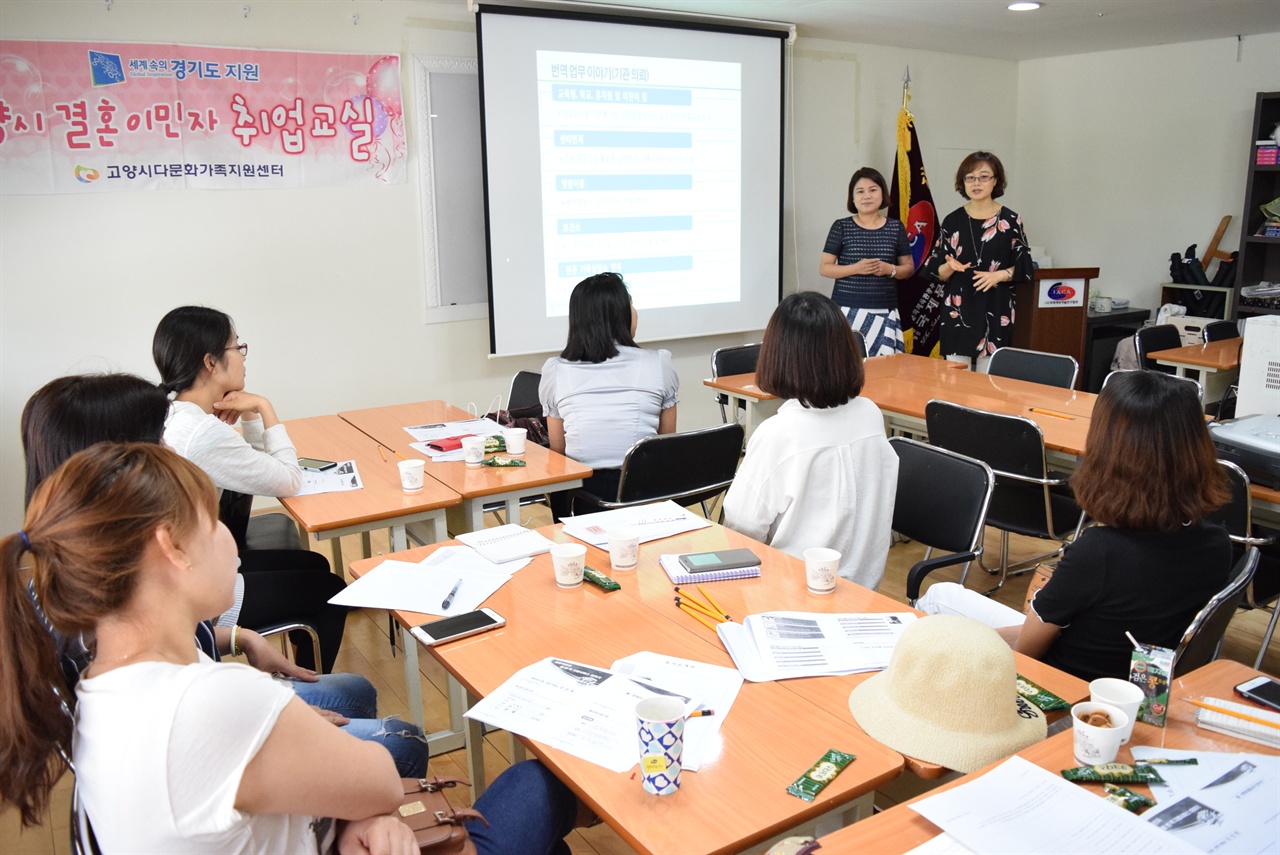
(781,645)
(680,575)
(336,479)
(1263,734)
(504,543)
(423,587)
(662,519)
(424,434)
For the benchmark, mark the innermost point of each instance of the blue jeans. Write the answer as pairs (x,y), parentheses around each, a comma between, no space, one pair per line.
(530,812)
(354,697)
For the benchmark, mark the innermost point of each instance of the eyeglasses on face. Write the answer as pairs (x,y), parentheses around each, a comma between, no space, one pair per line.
(243,348)
(978,179)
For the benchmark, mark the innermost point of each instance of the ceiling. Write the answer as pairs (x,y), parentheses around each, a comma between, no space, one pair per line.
(987,28)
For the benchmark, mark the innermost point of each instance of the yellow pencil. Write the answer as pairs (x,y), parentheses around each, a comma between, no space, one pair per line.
(396,453)
(708,624)
(691,598)
(713,603)
(1232,713)
(686,602)
(1051,413)
(382,455)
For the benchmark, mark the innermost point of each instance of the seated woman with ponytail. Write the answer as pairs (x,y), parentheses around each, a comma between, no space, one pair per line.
(173,752)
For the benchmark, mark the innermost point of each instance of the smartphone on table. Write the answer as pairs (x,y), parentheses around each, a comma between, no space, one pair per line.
(725,559)
(459,626)
(315,464)
(1262,690)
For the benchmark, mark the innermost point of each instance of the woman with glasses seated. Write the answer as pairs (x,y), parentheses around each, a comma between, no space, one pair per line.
(980,252)
(202,364)
(172,751)
(820,472)
(603,393)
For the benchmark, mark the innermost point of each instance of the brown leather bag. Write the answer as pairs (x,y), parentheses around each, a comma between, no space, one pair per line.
(437,825)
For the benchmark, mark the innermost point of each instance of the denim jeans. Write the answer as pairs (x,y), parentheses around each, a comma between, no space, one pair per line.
(354,697)
(529,811)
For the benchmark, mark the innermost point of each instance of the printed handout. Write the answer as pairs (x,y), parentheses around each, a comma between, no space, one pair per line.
(782,645)
(344,476)
(652,522)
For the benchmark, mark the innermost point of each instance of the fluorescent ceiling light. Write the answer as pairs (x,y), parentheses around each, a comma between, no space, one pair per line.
(1023,7)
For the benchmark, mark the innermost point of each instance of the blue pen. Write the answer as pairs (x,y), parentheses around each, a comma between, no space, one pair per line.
(448,601)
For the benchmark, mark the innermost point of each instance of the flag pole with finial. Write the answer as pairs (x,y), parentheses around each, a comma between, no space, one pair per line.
(904,147)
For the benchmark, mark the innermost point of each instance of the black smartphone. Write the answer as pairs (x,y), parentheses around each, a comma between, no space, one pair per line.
(1263,690)
(726,559)
(458,626)
(315,464)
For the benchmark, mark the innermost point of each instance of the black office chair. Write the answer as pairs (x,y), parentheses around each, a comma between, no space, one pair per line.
(860,343)
(1237,516)
(1220,331)
(727,361)
(941,502)
(524,395)
(264,531)
(1035,366)
(1028,498)
(691,467)
(1203,639)
(1152,339)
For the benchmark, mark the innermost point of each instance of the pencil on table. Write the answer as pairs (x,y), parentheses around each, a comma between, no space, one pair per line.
(708,624)
(691,598)
(713,603)
(686,602)
(1232,713)
(382,455)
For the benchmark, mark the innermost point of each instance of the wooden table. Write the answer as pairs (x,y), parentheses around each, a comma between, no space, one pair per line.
(769,738)
(546,471)
(1217,361)
(900,828)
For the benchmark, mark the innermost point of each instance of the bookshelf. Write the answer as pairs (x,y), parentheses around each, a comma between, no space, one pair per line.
(1259,258)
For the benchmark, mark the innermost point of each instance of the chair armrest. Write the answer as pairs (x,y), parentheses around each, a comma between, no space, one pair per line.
(915,577)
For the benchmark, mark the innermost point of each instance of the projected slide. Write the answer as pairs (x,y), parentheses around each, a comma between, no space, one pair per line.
(641,174)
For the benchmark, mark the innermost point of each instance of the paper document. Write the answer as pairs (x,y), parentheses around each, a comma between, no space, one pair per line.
(782,645)
(421,588)
(586,711)
(1020,809)
(437,456)
(344,476)
(1234,810)
(715,685)
(653,522)
(443,430)
(508,542)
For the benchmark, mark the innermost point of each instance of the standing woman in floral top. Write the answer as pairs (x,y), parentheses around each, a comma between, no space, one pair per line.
(981,251)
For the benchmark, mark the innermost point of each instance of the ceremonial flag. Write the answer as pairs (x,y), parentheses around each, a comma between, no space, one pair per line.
(919,299)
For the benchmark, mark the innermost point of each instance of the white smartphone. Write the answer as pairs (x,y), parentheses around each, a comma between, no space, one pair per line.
(458,626)
(1263,690)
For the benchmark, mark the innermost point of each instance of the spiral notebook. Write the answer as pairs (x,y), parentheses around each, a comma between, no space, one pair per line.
(508,542)
(680,576)
(1238,727)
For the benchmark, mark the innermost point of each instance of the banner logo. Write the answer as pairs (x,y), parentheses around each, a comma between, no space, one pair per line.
(86,174)
(105,69)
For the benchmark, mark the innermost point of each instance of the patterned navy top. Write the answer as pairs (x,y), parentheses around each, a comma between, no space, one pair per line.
(851,243)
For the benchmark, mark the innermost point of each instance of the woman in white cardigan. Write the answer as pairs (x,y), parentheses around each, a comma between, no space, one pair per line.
(202,364)
(820,472)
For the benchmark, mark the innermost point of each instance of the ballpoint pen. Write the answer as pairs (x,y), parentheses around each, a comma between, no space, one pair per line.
(448,601)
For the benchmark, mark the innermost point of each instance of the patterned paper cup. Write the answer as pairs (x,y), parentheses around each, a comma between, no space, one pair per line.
(660,724)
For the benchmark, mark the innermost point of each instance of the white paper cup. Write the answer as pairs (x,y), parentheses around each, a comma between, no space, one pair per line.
(411,475)
(515,439)
(624,548)
(660,727)
(1097,745)
(569,560)
(1121,694)
(473,450)
(821,566)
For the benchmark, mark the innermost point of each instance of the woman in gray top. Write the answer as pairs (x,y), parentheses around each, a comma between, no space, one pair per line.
(603,393)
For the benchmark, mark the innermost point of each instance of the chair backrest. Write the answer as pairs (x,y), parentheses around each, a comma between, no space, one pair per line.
(942,496)
(860,343)
(687,467)
(738,359)
(1220,331)
(1008,444)
(524,392)
(1151,339)
(1237,514)
(1200,643)
(234,510)
(1035,366)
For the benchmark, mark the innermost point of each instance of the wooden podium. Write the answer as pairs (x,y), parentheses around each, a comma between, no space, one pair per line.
(1053,328)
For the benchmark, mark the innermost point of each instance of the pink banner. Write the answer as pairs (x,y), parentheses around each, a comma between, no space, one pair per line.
(88,117)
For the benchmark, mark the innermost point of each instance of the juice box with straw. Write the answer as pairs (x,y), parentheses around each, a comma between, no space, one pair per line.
(1149,669)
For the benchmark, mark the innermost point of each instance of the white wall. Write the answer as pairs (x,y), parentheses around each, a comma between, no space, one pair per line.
(326,284)
(1127,156)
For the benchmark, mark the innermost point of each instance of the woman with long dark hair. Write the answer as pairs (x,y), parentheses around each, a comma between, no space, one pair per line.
(603,392)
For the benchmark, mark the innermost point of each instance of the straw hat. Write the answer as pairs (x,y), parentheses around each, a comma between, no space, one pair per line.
(948,696)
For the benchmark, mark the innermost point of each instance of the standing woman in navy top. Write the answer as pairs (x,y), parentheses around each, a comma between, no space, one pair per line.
(981,251)
(866,254)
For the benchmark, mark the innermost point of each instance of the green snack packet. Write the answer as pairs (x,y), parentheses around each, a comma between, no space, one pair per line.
(494,443)
(1164,761)
(1116,773)
(503,462)
(1041,697)
(808,785)
(1127,799)
(595,577)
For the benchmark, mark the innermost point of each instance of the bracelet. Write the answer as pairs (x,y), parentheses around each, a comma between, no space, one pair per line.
(1009,273)
(235,647)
